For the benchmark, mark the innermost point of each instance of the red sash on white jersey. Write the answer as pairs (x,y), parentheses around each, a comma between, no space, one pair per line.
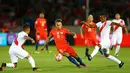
(103,26)
(16,42)
(118,26)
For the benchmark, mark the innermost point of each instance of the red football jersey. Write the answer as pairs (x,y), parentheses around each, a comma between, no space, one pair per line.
(41,25)
(60,36)
(89,32)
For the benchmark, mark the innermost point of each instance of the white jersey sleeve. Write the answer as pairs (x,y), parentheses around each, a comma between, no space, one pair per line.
(98,24)
(122,22)
(22,35)
(109,22)
(20,38)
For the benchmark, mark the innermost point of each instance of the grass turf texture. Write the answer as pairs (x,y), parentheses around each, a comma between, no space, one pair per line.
(47,63)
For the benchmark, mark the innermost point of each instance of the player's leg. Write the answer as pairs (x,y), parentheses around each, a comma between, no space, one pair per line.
(14,61)
(107,55)
(37,41)
(101,51)
(114,39)
(9,65)
(79,60)
(13,58)
(119,40)
(46,47)
(117,49)
(96,42)
(32,62)
(72,53)
(87,49)
(71,59)
(95,51)
(37,44)
(24,54)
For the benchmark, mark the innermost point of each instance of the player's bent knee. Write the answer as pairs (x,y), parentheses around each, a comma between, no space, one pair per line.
(27,56)
(66,54)
(106,55)
(99,45)
(76,56)
(15,65)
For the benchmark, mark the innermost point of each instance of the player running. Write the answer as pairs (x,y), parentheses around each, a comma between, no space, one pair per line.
(41,31)
(17,51)
(117,34)
(89,34)
(104,26)
(62,45)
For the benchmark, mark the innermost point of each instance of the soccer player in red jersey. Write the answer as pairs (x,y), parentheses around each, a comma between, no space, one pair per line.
(89,35)
(41,30)
(62,45)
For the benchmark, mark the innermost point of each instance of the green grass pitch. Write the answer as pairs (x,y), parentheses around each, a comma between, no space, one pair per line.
(47,63)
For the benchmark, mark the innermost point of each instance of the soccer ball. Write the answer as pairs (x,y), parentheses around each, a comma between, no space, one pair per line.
(58,57)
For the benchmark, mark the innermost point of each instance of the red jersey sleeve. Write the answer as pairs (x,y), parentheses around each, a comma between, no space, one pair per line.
(83,26)
(36,23)
(51,33)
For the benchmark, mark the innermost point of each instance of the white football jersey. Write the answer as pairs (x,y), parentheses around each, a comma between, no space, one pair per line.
(104,29)
(20,40)
(118,29)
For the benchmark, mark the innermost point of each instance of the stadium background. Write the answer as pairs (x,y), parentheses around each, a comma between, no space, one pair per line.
(16,13)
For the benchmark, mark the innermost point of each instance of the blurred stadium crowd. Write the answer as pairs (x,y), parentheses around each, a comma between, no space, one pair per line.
(15,13)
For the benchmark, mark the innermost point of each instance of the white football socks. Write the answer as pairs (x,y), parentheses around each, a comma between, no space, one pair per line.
(10,65)
(117,49)
(114,59)
(32,62)
(95,51)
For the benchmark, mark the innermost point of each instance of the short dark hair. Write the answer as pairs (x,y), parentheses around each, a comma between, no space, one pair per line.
(58,20)
(41,12)
(104,14)
(26,26)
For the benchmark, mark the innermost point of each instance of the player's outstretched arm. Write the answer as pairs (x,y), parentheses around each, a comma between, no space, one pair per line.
(73,34)
(29,38)
(46,42)
(126,30)
(123,26)
(117,24)
(89,25)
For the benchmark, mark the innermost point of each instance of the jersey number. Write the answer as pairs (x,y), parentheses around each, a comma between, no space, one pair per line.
(43,23)
(58,34)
